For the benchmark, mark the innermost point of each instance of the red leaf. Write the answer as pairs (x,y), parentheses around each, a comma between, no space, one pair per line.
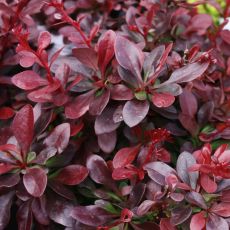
(221,209)
(28,80)
(207,183)
(121,92)
(6,113)
(72,174)
(5,168)
(125,156)
(79,106)
(129,56)
(198,221)
(106,50)
(166,225)
(59,138)
(134,112)
(162,99)
(23,127)
(35,181)
(44,40)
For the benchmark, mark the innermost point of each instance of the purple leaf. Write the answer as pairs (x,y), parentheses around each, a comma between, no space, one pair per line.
(72,174)
(180,215)
(9,180)
(107,141)
(39,210)
(98,104)
(196,198)
(157,171)
(23,127)
(5,206)
(216,222)
(184,161)
(35,181)
(144,207)
(129,56)
(99,171)
(188,103)
(28,80)
(121,92)
(61,190)
(59,138)
(59,210)
(187,73)
(24,216)
(91,215)
(104,123)
(134,112)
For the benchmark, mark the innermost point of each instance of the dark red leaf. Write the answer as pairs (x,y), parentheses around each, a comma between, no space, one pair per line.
(180,215)
(5,207)
(91,215)
(72,174)
(129,56)
(79,106)
(24,216)
(86,56)
(106,50)
(98,104)
(23,127)
(35,181)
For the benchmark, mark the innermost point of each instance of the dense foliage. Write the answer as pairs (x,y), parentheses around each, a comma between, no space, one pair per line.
(114,115)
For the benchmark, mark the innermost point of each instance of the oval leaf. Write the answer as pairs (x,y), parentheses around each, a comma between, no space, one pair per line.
(134,112)
(35,181)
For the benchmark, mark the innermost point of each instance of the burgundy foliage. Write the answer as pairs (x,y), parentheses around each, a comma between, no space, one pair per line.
(114,115)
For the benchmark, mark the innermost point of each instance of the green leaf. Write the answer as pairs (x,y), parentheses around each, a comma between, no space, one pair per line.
(141,96)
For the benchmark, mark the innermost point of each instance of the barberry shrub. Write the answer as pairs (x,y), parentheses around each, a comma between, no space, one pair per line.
(114,115)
